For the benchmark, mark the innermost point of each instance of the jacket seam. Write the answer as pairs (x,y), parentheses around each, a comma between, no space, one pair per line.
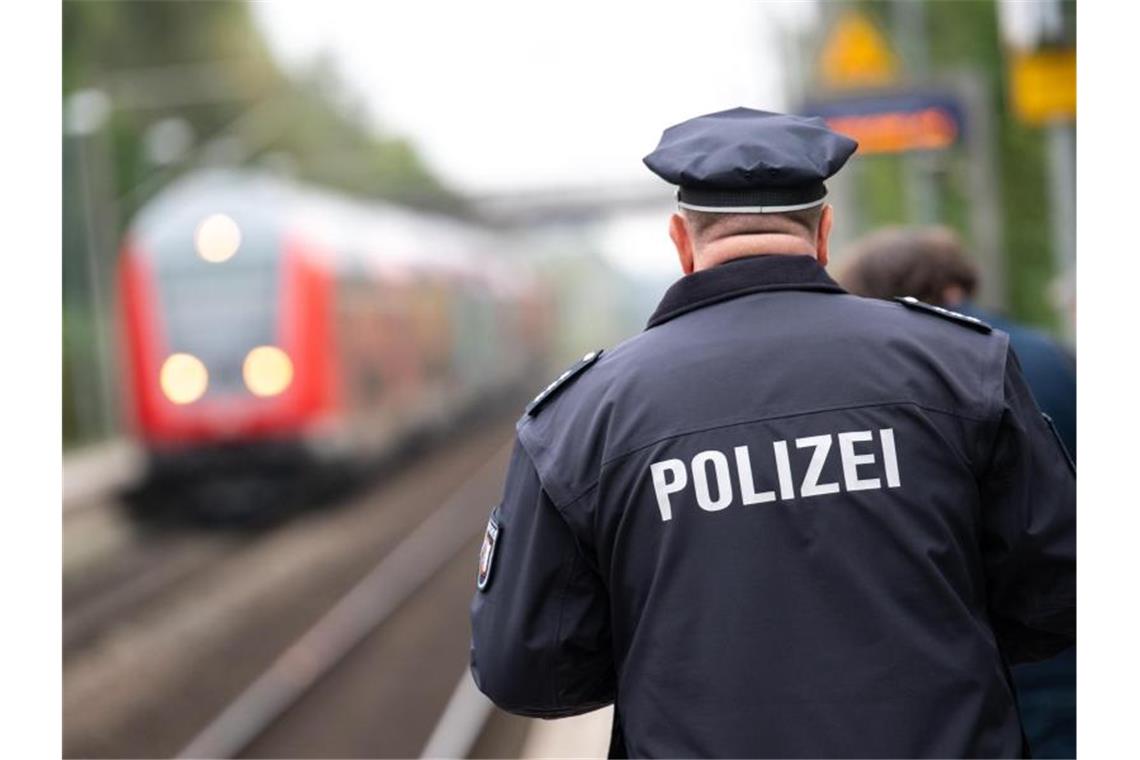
(995,423)
(563,593)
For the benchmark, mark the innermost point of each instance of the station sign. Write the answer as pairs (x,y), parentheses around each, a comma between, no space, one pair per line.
(894,121)
(855,55)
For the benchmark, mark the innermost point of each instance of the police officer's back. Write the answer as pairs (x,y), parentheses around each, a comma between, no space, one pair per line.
(783,520)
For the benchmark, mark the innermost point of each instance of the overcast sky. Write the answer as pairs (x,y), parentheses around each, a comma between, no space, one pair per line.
(500,96)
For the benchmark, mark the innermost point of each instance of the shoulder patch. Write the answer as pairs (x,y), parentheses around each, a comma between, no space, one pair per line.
(973,322)
(561,381)
(487,552)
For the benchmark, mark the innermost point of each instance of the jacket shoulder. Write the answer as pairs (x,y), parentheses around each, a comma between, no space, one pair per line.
(568,376)
(937,327)
(561,428)
(930,354)
(965,320)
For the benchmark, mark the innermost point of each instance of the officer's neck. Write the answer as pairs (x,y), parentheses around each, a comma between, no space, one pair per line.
(726,249)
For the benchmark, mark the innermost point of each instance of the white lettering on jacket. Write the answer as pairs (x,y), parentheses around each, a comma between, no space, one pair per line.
(715,488)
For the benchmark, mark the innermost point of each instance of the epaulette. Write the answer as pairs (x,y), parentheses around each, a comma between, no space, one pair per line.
(973,322)
(577,368)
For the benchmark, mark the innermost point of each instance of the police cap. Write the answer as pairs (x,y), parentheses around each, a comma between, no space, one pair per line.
(748,161)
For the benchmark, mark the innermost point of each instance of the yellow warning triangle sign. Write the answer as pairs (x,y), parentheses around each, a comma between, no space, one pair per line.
(856,55)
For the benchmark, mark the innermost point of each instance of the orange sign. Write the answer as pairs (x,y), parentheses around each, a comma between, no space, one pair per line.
(930,129)
(856,55)
(894,122)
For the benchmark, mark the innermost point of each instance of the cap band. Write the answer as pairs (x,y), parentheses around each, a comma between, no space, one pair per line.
(749,209)
(752,201)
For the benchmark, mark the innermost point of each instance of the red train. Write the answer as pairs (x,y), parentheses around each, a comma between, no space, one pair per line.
(270,326)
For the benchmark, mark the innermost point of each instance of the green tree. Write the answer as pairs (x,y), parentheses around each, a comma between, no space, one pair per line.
(206,63)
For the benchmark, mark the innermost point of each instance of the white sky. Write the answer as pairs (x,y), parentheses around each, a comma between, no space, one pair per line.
(500,96)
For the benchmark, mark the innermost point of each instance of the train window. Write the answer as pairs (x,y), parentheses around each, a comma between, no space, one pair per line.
(218,313)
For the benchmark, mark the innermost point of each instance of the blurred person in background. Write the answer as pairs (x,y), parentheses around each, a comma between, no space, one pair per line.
(930,263)
(783,520)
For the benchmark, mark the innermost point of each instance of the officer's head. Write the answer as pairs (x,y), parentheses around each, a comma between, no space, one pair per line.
(749,182)
(928,263)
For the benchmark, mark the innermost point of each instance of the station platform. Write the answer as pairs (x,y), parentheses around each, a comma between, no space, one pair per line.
(583,736)
(93,472)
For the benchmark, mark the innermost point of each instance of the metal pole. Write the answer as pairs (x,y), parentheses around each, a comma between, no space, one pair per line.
(984,183)
(919,169)
(76,302)
(1061,137)
(95,260)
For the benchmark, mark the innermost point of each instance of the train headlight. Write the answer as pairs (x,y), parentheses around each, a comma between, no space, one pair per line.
(183,378)
(217,238)
(267,371)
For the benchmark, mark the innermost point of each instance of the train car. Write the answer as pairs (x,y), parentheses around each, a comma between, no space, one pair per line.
(272,331)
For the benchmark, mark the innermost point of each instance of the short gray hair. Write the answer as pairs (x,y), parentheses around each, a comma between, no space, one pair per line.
(708,226)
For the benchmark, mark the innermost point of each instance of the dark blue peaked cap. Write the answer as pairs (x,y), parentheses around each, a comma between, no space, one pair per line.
(748,161)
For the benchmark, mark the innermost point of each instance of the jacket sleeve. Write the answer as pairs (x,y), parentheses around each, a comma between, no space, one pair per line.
(1028,536)
(540,628)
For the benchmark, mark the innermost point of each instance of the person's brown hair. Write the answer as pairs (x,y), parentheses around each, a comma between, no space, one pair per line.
(923,262)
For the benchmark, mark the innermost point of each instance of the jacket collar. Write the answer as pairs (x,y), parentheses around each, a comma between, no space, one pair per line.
(739,277)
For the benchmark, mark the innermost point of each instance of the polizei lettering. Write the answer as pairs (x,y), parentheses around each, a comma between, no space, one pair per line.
(710,473)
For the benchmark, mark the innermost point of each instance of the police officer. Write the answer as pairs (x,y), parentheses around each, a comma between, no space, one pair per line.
(783,520)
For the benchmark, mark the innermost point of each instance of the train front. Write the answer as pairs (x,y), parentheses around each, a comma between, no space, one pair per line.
(225,333)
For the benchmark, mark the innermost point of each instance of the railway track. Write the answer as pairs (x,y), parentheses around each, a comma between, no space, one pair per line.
(269,717)
(388,579)
(147,570)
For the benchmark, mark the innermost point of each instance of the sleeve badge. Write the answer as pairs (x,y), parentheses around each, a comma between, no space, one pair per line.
(487,553)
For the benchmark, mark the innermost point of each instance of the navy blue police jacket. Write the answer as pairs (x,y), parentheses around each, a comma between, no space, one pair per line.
(782,521)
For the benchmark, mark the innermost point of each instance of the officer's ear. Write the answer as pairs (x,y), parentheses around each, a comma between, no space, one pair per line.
(679,232)
(823,234)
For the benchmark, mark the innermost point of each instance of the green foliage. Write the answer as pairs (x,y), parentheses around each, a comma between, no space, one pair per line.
(881,199)
(205,62)
(1028,234)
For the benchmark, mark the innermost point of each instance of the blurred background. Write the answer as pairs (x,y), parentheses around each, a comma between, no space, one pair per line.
(318,256)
